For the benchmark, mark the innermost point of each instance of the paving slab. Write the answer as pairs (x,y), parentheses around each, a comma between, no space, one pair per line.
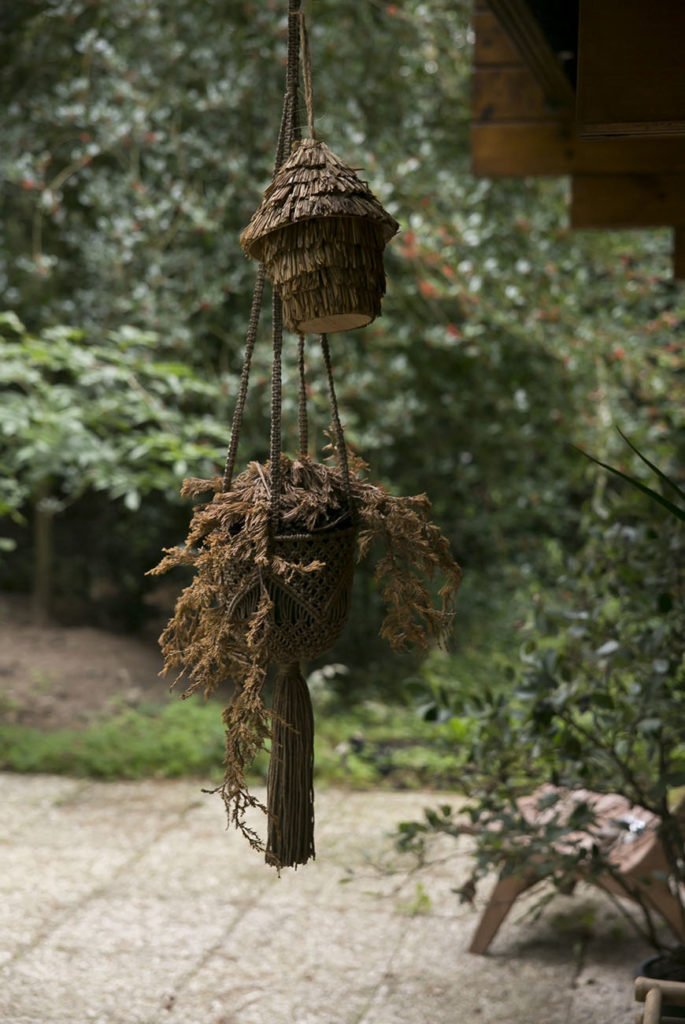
(130,903)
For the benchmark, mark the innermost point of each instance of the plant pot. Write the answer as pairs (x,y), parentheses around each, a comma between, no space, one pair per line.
(309,608)
(662,967)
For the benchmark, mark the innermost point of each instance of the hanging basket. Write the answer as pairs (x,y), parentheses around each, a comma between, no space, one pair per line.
(261,598)
(320,233)
(309,604)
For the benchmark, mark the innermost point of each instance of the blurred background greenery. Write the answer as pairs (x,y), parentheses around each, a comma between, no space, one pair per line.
(136,139)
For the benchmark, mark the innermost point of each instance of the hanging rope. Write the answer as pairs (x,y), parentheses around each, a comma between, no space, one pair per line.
(340,447)
(288,132)
(292,133)
(276,399)
(244,378)
(302,398)
(307,75)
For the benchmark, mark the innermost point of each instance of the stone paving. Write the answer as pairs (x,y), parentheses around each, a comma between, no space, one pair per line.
(130,903)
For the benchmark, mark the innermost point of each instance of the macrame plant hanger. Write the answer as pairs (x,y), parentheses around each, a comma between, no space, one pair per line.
(290,791)
(273,550)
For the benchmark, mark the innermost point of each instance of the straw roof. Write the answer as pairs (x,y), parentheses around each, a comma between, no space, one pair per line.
(313,183)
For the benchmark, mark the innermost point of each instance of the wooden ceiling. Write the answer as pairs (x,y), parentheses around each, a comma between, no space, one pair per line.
(595,90)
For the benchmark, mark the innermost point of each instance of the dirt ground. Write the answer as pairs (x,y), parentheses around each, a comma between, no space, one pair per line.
(56,677)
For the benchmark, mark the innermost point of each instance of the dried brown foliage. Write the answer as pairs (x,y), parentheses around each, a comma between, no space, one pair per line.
(209,640)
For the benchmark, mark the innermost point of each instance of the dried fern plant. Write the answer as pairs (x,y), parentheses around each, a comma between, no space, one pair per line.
(213,636)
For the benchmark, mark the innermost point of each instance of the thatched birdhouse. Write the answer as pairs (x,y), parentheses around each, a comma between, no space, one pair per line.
(320,233)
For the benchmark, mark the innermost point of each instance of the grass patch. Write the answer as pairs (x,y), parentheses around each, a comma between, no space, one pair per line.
(376,744)
(160,741)
(384,744)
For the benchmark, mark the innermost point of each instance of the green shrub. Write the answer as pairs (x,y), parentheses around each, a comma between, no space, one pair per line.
(376,744)
(163,742)
(596,702)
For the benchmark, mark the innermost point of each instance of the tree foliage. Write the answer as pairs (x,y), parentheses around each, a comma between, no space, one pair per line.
(116,415)
(137,137)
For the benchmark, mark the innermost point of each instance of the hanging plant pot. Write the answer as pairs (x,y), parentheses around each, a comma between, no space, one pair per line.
(310,604)
(262,598)
(253,602)
(277,597)
(320,233)
(289,607)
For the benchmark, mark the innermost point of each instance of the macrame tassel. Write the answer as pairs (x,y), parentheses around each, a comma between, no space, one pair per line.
(290,785)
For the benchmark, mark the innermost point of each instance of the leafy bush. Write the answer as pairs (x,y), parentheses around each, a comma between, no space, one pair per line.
(374,745)
(165,742)
(118,416)
(597,703)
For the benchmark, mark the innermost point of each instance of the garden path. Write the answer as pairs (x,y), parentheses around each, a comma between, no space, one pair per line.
(129,903)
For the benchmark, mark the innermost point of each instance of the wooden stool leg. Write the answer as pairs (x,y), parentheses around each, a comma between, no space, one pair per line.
(662,899)
(500,903)
(656,895)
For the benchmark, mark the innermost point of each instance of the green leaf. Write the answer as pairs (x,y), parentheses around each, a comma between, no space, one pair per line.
(654,495)
(655,469)
(649,725)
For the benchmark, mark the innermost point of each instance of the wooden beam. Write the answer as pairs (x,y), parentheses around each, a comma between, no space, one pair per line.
(547,148)
(630,68)
(521,26)
(627,201)
(508,94)
(492,45)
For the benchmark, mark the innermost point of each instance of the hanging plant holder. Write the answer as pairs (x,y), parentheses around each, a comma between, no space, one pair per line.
(320,233)
(308,608)
(261,598)
(273,550)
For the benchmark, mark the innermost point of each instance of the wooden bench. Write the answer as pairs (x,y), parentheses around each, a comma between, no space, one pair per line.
(626,834)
